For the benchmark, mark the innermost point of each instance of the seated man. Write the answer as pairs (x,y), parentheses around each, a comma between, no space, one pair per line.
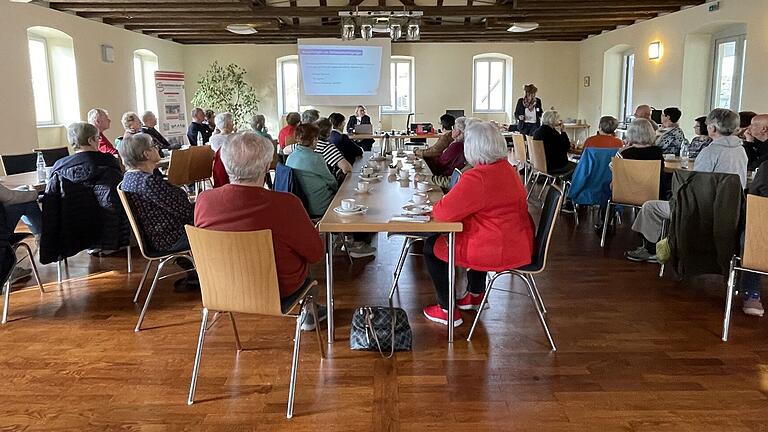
(447,122)
(160,208)
(346,146)
(645,112)
(724,155)
(311,171)
(671,137)
(100,118)
(606,135)
(756,141)
(750,282)
(244,205)
(149,121)
(198,126)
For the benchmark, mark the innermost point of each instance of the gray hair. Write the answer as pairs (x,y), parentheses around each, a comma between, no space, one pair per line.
(640,131)
(129,117)
(310,116)
(550,118)
(94,114)
(196,110)
(146,115)
(483,144)
(79,133)
(246,156)
(132,149)
(223,119)
(258,122)
(608,125)
(724,121)
(463,122)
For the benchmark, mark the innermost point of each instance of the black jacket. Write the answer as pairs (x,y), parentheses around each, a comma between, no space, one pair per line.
(520,111)
(352,122)
(759,184)
(158,138)
(757,152)
(196,127)
(81,208)
(346,146)
(706,221)
(556,146)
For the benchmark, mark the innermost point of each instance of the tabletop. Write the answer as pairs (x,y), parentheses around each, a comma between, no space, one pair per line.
(385,200)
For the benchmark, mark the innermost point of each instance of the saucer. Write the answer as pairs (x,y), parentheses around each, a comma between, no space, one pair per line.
(374,177)
(363,191)
(417,209)
(359,209)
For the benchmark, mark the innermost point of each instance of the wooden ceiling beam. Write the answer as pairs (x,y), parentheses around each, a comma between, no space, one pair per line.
(602,5)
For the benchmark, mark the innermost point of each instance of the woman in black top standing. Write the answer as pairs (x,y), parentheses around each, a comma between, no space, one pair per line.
(528,111)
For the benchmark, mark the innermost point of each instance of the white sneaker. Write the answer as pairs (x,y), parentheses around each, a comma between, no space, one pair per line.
(361,250)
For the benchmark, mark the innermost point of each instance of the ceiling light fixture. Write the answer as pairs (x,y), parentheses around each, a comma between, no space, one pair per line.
(366,31)
(241,29)
(413,33)
(522,27)
(395,32)
(348,32)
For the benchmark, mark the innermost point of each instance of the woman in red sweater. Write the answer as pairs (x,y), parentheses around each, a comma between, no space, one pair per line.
(490,201)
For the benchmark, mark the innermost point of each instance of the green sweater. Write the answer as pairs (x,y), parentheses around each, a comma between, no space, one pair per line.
(316,181)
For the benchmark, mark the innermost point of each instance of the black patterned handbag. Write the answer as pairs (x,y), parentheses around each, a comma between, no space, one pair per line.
(380,328)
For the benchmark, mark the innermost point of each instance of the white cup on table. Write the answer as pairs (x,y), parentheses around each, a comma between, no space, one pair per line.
(422,186)
(419,198)
(404,172)
(348,204)
(363,186)
(367,171)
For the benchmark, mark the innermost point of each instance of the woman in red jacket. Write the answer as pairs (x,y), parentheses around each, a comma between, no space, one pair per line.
(490,201)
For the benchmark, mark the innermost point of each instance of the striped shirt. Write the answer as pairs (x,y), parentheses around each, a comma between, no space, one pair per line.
(331,155)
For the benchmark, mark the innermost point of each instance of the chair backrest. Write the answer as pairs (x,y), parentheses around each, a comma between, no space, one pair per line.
(290,140)
(190,165)
(237,270)
(283,178)
(51,155)
(549,214)
(178,167)
(518,141)
(538,156)
(455,176)
(635,181)
(755,247)
(135,227)
(19,163)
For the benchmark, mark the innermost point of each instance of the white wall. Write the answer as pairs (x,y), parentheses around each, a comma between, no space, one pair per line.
(104,85)
(443,75)
(680,78)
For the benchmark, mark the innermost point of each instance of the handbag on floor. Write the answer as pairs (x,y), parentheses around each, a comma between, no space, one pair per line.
(380,328)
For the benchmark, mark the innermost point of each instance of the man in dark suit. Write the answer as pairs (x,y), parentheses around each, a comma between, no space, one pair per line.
(360,117)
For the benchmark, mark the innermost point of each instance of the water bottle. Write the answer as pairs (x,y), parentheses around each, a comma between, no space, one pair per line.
(684,153)
(199,138)
(41,176)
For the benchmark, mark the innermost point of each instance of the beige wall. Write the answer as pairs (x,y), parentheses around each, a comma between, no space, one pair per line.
(683,75)
(105,85)
(443,75)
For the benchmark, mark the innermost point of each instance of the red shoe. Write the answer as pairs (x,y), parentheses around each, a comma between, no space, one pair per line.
(439,315)
(471,301)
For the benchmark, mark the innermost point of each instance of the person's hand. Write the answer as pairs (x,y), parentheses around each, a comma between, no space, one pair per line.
(522,117)
(748,137)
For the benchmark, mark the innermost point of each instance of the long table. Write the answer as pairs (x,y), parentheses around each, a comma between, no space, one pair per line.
(384,201)
(397,139)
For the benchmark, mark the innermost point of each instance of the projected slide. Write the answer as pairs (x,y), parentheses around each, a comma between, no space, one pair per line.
(339,70)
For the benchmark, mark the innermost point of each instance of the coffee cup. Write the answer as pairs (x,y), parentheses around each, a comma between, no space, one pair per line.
(367,171)
(404,172)
(348,204)
(393,170)
(373,164)
(422,186)
(418,164)
(419,198)
(363,186)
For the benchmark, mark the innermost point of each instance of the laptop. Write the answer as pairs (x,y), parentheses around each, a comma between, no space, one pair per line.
(364,129)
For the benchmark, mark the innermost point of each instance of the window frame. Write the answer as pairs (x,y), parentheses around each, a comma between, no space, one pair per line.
(281,90)
(394,61)
(51,94)
(738,71)
(627,85)
(504,84)
(146,90)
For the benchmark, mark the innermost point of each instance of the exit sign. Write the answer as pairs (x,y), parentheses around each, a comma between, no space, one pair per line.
(714,6)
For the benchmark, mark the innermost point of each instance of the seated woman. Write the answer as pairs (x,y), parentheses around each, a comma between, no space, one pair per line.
(606,135)
(244,205)
(641,142)
(671,137)
(453,156)
(311,172)
(490,201)
(346,146)
(259,126)
(360,117)
(447,122)
(556,143)
(292,119)
(225,124)
(338,166)
(701,140)
(132,125)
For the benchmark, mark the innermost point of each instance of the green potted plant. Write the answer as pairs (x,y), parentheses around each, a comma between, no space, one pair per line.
(224,89)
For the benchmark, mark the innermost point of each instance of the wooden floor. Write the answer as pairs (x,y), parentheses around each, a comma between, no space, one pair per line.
(635,353)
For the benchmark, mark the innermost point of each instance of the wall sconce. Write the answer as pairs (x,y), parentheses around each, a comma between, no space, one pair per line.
(654,50)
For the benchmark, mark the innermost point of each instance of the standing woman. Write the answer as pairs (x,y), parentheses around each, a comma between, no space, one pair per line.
(528,111)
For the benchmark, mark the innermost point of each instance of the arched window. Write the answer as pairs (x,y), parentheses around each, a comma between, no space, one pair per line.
(287,84)
(54,76)
(145,65)
(491,77)
(400,86)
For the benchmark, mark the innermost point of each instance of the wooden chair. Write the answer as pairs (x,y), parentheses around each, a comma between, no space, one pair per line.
(238,274)
(634,183)
(190,165)
(521,155)
(552,203)
(755,256)
(150,255)
(52,155)
(19,163)
(538,160)
(13,242)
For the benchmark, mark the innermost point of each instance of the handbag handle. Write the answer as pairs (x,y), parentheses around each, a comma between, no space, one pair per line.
(369,325)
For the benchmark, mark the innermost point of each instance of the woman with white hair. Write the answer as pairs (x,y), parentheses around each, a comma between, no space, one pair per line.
(453,156)
(556,143)
(641,142)
(490,201)
(226,125)
(132,125)
(259,126)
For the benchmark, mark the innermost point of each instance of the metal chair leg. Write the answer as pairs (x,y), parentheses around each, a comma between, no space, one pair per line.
(542,319)
(6,302)
(345,247)
(143,279)
(544,187)
(198,354)
(538,294)
(487,294)
(237,335)
(605,223)
(149,295)
(399,267)
(534,180)
(58,272)
(34,266)
(317,328)
(729,299)
(130,261)
(295,361)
